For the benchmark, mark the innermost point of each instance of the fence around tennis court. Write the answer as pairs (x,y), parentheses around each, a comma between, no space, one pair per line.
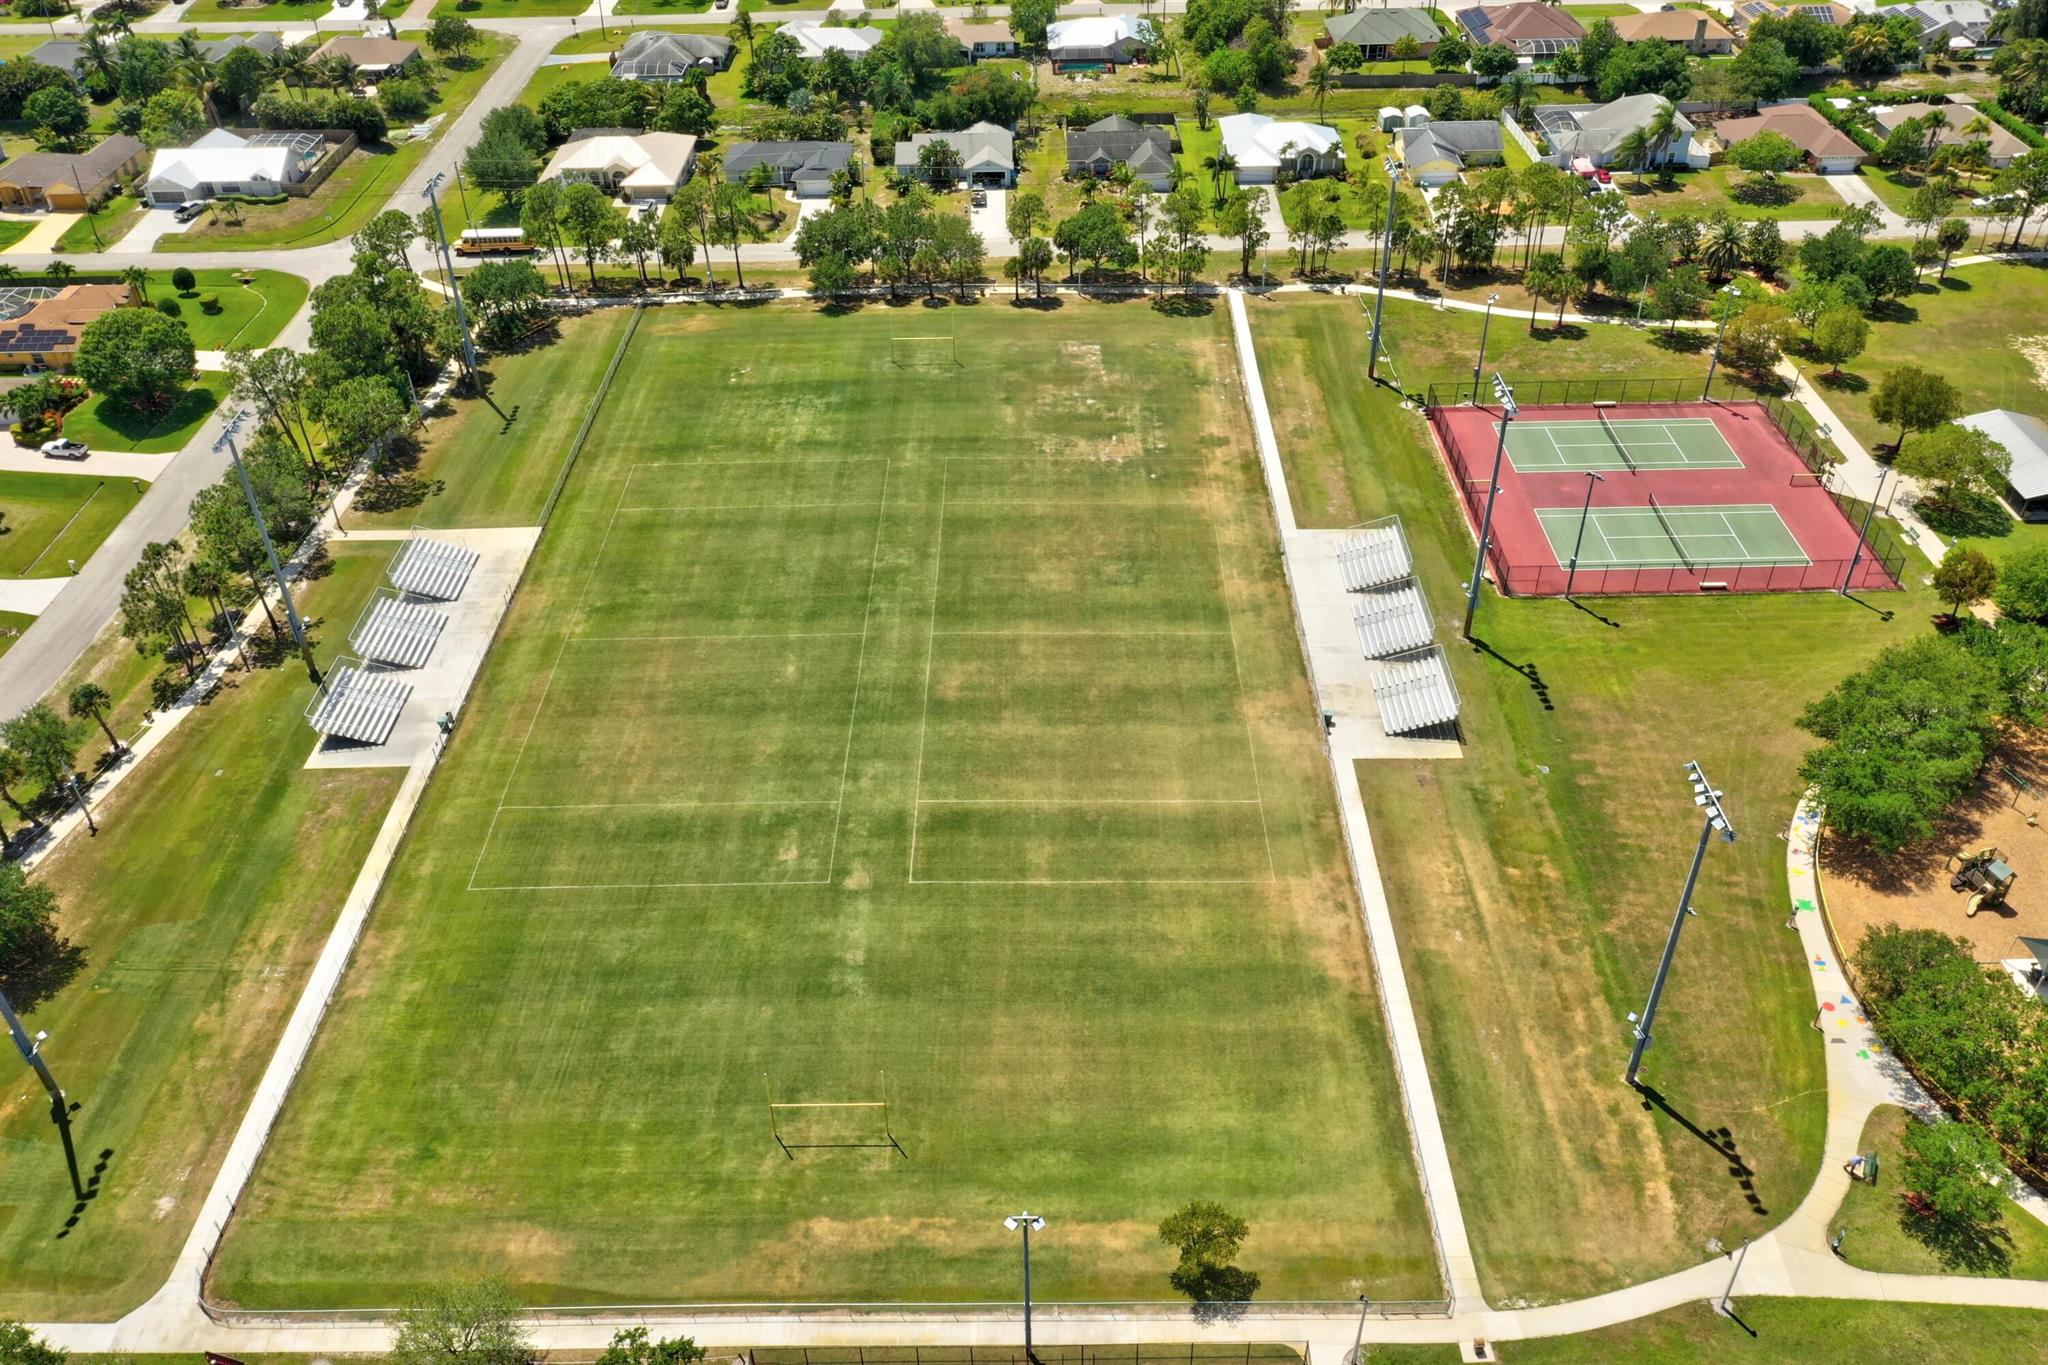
(1880,566)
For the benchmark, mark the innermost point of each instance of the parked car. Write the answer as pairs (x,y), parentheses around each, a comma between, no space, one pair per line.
(61,449)
(1604,176)
(979,199)
(189,210)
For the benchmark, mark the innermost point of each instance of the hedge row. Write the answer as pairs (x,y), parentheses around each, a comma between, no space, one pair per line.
(2013,123)
(1843,120)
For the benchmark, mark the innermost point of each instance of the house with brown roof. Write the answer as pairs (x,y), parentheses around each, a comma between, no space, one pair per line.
(1960,123)
(374,57)
(1531,29)
(46,335)
(1828,149)
(73,183)
(1698,32)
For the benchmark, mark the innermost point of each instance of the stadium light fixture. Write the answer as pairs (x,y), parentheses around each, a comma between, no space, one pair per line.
(31,1050)
(1505,396)
(1863,531)
(1026,1223)
(454,290)
(1713,820)
(1480,363)
(1714,360)
(291,610)
(1571,572)
(1379,303)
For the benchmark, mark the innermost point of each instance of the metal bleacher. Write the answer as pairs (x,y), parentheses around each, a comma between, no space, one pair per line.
(433,569)
(1393,621)
(358,704)
(1415,692)
(398,633)
(1375,555)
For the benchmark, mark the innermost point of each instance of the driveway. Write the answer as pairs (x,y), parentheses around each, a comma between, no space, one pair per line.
(992,221)
(153,225)
(42,238)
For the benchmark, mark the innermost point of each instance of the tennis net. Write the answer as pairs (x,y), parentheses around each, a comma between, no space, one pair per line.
(1620,447)
(1677,545)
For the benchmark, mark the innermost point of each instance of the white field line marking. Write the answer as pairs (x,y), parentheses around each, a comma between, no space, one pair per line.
(633,886)
(739,506)
(1085,634)
(859,666)
(1089,801)
(568,633)
(1244,703)
(797,459)
(1090,881)
(931,640)
(665,805)
(656,639)
(97,490)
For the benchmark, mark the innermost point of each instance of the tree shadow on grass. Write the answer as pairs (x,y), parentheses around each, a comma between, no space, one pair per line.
(1960,1244)
(1690,341)
(1183,305)
(1569,331)
(41,968)
(1847,381)
(135,426)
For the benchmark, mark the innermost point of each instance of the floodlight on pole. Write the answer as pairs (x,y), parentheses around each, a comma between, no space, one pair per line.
(84,806)
(291,610)
(1713,820)
(1714,360)
(1863,532)
(1505,396)
(1480,363)
(1379,303)
(1026,1223)
(1585,511)
(31,1050)
(454,289)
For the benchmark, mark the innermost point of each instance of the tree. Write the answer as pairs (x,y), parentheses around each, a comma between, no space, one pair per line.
(1913,399)
(1645,68)
(2022,590)
(172,118)
(1450,54)
(938,164)
(1755,339)
(1958,1170)
(1208,1237)
(1034,258)
(57,113)
(632,1347)
(1839,336)
(589,222)
(1243,217)
(1029,19)
(1952,236)
(28,914)
(450,37)
(1960,462)
(20,78)
(1767,151)
(1405,50)
(357,414)
(137,356)
(1096,234)
(89,701)
(462,1324)
(732,221)
(241,75)
(1764,247)
(45,744)
(1492,61)
(1964,578)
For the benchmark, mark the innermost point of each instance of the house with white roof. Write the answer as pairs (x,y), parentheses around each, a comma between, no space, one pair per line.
(1262,146)
(813,41)
(225,162)
(2025,438)
(623,161)
(1110,40)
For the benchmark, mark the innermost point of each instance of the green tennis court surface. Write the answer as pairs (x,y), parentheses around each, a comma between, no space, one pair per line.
(1638,538)
(1627,443)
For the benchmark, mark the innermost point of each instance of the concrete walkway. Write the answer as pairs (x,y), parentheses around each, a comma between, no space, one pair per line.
(30,596)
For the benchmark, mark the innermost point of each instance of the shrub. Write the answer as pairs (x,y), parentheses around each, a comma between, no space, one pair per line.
(183,280)
(209,303)
(170,308)
(2022,591)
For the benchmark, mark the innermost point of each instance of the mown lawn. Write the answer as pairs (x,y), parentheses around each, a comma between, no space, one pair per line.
(104,227)
(1884,1234)
(1532,880)
(110,424)
(193,917)
(480,466)
(1129,971)
(250,314)
(52,519)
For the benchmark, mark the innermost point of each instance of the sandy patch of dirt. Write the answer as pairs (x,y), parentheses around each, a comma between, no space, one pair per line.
(2035,351)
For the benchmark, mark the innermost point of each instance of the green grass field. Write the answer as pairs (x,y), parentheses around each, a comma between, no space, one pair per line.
(1885,1235)
(109,424)
(197,910)
(250,314)
(54,518)
(1532,880)
(924,733)
(478,468)
(104,227)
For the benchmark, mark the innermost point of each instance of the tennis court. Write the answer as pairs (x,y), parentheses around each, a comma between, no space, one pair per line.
(1665,537)
(1628,443)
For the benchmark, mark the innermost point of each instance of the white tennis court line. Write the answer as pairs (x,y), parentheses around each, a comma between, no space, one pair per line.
(1688,537)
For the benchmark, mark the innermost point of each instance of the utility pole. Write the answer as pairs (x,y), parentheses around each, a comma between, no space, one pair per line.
(1585,511)
(1027,1223)
(84,807)
(454,289)
(1862,532)
(31,1050)
(1508,413)
(1724,1305)
(1714,360)
(1379,305)
(291,610)
(1480,363)
(1713,820)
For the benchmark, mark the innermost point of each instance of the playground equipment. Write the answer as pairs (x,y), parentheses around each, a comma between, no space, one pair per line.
(1984,874)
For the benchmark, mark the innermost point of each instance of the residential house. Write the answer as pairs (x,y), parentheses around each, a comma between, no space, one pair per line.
(1585,136)
(373,57)
(1375,31)
(227,162)
(1263,146)
(72,182)
(2025,438)
(1532,30)
(68,54)
(1828,149)
(983,41)
(45,335)
(636,166)
(1438,153)
(987,154)
(1698,32)
(813,41)
(1098,149)
(1961,123)
(1103,40)
(1962,27)
(656,56)
(1749,11)
(805,169)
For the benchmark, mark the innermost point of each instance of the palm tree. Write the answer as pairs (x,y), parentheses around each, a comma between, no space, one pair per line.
(196,73)
(1546,278)
(95,55)
(8,273)
(89,699)
(1226,164)
(60,271)
(1721,250)
(742,28)
(1516,92)
(1322,80)
(1867,49)
(1633,152)
(333,73)
(136,278)
(288,64)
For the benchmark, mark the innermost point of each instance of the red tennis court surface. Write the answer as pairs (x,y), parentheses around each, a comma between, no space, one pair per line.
(1673,511)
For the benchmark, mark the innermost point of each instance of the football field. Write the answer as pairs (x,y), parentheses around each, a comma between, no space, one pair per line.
(932,735)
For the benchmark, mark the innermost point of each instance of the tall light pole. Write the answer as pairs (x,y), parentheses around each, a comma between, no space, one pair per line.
(291,610)
(84,807)
(31,1050)
(1379,305)
(1508,413)
(1863,532)
(1713,820)
(454,289)
(1026,1223)
(1714,360)
(1480,363)
(1584,512)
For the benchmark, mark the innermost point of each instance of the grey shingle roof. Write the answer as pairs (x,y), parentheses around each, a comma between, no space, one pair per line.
(1381,27)
(1141,146)
(669,56)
